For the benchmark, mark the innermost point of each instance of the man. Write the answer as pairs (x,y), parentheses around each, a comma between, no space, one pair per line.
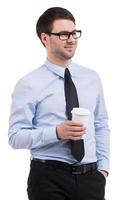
(41,118)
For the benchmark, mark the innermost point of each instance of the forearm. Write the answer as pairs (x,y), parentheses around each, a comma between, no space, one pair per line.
(103,150)
(32,138)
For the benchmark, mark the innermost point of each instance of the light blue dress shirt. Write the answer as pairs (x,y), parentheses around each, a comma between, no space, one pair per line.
(38,105)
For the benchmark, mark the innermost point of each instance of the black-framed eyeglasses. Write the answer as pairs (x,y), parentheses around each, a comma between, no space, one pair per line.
(65,35)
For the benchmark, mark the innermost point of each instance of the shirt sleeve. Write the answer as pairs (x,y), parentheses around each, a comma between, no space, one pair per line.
(102,132)
(22,132)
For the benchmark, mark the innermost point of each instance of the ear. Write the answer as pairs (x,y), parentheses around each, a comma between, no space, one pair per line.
(44,38)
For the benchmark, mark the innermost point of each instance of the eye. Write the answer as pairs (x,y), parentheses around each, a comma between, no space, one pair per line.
(74,33)
(64,33)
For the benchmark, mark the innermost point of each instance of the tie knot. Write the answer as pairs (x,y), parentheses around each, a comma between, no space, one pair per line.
(67,73)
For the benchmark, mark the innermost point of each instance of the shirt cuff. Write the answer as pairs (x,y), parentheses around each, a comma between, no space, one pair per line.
(49,135)
(103,166)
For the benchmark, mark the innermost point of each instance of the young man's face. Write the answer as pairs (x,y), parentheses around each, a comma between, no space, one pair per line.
(61,49)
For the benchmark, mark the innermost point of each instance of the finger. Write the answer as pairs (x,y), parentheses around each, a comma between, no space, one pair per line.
(77,129)
(76,134)
(75,123)
(75,138)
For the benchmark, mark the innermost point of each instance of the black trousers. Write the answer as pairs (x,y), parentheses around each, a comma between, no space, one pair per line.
(51,183)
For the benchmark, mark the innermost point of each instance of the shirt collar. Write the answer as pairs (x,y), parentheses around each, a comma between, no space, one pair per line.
(59,70)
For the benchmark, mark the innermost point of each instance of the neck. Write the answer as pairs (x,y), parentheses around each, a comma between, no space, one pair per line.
(61,63)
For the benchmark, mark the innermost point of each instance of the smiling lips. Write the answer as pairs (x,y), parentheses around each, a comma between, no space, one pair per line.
(70,47)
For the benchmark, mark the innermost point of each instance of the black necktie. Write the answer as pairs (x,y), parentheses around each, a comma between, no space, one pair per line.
(77,146)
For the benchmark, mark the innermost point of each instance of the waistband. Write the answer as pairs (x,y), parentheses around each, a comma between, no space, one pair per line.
(74,169)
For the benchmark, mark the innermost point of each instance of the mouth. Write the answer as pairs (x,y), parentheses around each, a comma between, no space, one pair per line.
(69,47)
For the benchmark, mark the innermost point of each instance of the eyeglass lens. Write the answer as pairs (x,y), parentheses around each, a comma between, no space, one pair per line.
(66,35)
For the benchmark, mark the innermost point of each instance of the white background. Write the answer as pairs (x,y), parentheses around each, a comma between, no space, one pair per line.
(106,46)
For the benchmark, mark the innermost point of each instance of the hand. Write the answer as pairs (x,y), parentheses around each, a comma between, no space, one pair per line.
(70,130)
(104,173)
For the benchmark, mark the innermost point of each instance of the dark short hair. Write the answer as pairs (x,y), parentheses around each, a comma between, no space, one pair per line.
(46,20)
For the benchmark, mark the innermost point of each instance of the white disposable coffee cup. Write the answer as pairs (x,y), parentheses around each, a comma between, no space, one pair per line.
(82,115)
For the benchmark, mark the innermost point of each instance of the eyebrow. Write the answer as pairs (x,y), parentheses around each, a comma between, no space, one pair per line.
(66,31)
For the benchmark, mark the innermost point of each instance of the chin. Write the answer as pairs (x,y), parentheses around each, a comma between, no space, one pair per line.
(70,55)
